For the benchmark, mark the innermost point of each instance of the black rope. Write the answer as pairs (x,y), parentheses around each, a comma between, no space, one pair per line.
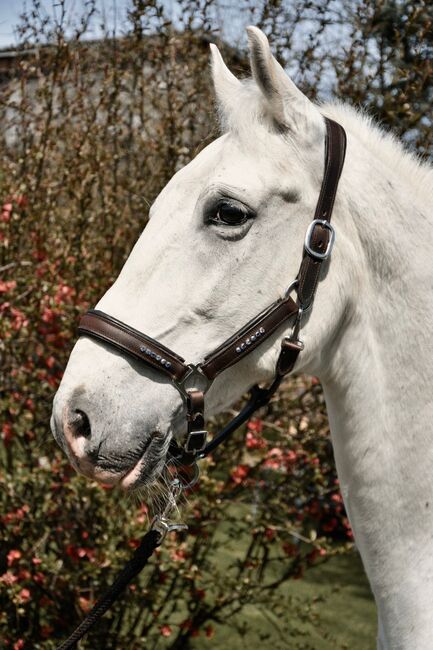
(131,569)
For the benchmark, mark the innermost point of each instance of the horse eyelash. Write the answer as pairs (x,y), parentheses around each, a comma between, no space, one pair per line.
(212,210)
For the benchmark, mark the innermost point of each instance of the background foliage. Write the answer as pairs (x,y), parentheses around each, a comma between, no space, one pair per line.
(91,132)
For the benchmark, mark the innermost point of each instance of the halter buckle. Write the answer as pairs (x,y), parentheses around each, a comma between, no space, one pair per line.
(309,234)
(195,442)
(194,379)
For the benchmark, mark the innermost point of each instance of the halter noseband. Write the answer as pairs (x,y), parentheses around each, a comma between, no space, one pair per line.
(193,381)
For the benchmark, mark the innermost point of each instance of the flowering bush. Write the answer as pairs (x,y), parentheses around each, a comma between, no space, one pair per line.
(60,542)
(259,517)
(277,493)
(90,133)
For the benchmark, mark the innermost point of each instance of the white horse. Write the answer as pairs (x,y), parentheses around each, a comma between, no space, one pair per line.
(223,241)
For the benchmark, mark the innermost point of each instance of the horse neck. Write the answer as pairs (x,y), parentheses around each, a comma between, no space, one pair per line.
(377,379)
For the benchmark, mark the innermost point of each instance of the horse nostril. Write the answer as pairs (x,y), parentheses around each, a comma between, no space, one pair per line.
(80,424)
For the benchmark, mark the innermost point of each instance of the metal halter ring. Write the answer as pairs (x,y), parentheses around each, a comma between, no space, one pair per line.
(309,234)
(302,308)
(190,484)
(291,287)
(164,526)
(162,523)
(196,378)
(294,335)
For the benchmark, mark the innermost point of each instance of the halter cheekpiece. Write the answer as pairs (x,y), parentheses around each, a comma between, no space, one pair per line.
(192,381)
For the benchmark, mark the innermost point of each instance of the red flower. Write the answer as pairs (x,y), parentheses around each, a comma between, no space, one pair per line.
(256,425)
(6,212)
(72,551)
(7,433)
(274,459)
(85,604)
(239,473)
(63,294)
(209,631)
(86,552)
(165,630)
(19,319)
(270,534)
(162,577)
(254,442)
(20,199)
(7,286)
(178,554)
(39,578)
(346,524)
(24,595)
(330,525)
(48,315)
(50,362)
(8,578)
(291,456)
(19,644)
(12,556)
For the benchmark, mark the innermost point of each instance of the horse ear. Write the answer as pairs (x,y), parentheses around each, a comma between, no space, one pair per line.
(288,105)
(226,85)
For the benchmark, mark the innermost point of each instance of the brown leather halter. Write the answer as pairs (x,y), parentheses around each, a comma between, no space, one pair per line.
(193,381)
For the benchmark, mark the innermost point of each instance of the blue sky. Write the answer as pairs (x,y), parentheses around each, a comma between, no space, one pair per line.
(10,11)
(232,18)
(8,18)
(114,12)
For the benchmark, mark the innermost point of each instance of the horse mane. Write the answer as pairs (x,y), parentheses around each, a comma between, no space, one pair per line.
(384,145)
(252,110)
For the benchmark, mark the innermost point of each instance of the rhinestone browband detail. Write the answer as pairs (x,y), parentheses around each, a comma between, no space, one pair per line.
(155,356)
(240,348)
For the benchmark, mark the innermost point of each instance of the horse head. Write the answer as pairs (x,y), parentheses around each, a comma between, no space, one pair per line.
(224,240)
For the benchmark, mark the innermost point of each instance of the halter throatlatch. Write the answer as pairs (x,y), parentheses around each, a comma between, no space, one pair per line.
(193,381)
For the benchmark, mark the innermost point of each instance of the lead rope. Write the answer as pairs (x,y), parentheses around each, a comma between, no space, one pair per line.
(161,525)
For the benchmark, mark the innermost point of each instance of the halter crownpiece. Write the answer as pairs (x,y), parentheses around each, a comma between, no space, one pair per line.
(193,381)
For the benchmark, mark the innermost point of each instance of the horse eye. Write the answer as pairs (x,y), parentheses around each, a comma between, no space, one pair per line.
(230,215)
